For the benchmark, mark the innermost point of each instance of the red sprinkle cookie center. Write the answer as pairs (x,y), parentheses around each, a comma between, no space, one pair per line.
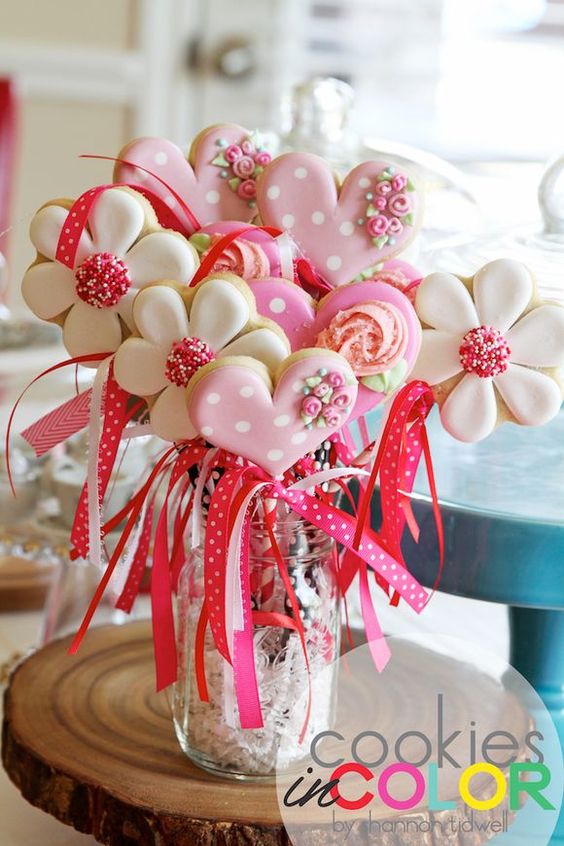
(101,280)
(185,358)
(485,352)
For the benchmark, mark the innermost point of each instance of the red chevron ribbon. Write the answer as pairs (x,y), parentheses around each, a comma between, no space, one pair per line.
(58,425)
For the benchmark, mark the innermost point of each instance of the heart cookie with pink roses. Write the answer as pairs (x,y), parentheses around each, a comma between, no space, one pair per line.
(371,324)
(217,182)
(234,405)
(345,229)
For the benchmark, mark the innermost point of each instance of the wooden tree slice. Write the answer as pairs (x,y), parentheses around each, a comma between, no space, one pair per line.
(89,741)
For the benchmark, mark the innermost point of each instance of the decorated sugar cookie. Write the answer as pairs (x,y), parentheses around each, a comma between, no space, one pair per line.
(122,250)
(490,349)
(217,182)
(371,324)
(341,230)
(254,254)
(180,332)
(400,274)
(234,405)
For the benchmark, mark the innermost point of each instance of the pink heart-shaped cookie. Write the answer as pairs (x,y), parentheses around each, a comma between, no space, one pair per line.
(233,407)
(208,183)
(303,321)
(374,215)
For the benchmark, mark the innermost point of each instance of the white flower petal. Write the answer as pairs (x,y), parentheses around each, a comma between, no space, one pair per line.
(169,415)
(159,256)
(219,312)
(470,410)
(502,291)
(160,316)
(443,302)
(45,230)
(538,338)
(125,308)
(49,289)
(116,221)
(439,357)
(91,330)
(262,344)
(532,397)
(140,367)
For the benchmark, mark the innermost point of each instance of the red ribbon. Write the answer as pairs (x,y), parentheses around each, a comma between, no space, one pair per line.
(165,214)
(309,279)
(81,359)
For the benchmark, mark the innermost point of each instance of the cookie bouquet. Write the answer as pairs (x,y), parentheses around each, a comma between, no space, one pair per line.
(250,312)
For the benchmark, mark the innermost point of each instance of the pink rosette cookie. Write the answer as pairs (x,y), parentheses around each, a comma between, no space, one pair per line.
(243,258)
(182,331)
(122,250)
(275,254)
(491,349)
(400,275)
(370,323)
(340,229)
(217,182)
(372,336)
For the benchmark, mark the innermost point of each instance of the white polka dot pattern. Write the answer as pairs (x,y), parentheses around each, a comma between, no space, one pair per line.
(330,223)
(246,419)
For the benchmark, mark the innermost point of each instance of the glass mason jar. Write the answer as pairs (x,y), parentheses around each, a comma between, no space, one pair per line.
(209,732)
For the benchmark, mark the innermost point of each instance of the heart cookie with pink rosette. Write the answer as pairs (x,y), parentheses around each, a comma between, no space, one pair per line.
(217,181)
(371,324)
(235,405)
(340,229)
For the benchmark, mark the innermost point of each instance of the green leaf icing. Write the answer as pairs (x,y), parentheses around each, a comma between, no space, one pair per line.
(200,241)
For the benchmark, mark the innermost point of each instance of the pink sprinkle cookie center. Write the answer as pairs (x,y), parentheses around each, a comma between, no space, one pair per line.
(102,280)
(484,352)
(185,358)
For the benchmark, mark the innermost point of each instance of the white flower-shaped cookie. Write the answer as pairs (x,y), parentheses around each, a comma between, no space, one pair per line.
(181,334)
(499,340)
(122,250)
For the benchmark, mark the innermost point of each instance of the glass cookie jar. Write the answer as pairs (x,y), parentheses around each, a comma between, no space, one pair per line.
(209,732)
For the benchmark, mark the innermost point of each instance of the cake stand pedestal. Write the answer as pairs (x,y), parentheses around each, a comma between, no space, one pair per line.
(502,503)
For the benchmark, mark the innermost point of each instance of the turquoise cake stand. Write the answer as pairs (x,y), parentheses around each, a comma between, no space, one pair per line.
(502,503)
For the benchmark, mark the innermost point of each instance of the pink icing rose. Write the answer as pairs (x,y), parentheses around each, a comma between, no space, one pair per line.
(383,188)
(341,398)
(321,390)
(397,279)
(232,153)
(244,167)
(399,204)
(331,416)
(395,227)
(372,336)
(399,181)
(380,203)
(311,406)
(263,158)
(247,189)
(335,379)
(377,225)
(244,258)
(248,147)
